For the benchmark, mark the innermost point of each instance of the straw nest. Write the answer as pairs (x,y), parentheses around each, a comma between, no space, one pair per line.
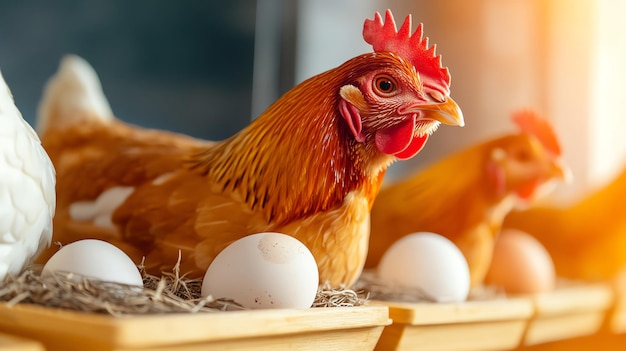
(379,289)
(174,293)
(170,293)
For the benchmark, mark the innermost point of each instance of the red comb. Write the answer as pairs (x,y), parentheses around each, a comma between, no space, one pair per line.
(531,123)
(385,37)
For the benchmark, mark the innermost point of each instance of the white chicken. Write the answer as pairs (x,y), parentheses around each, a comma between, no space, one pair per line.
(27,189)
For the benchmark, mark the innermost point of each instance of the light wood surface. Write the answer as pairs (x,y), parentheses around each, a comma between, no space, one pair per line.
(573,299)
(15,343)
(617,321)
(500,324)
(534,322)
(468,326)
(448,313)
(349,328)
(569,312)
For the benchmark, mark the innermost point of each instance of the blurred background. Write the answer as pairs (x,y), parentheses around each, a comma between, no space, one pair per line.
(206,68)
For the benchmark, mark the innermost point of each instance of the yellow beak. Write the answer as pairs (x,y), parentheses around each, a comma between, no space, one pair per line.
(447,112)
(561,171)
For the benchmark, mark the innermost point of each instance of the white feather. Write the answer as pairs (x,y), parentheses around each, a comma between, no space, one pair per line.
(101,209)
(27,189)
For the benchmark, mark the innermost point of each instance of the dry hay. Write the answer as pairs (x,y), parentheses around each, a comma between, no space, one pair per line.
(378,289)
(341,297)
(170,293)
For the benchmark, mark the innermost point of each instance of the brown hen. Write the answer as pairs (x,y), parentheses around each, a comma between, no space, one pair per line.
(310,166)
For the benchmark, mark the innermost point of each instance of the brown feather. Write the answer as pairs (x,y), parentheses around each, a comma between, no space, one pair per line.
(296,169)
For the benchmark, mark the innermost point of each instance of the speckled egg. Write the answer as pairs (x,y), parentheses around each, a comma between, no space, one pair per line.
(265,270)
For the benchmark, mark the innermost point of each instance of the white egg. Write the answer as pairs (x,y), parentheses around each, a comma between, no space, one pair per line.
(265,270)
(95,259)
(428,262)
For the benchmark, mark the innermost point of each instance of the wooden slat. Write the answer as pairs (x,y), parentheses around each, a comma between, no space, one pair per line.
(466,312)
(569,312)
(617,322)
(162,331)
(478,336)
(15,343)
(497,324)
(567,326)
(573,299)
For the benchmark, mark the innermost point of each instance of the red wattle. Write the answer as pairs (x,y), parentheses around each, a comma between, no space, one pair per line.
(395,139)
(527,191)
(416,145)
(399,140)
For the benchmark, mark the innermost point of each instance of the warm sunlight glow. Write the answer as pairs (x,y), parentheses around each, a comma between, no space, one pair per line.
(608,103)
(586,85)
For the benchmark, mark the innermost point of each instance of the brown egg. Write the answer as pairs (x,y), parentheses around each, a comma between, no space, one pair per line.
(520,264)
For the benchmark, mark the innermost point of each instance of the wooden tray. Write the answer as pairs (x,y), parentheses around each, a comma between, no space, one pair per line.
(14,343)
(336,328)
(577,319)
(617,321)
(569,312)
(470,326)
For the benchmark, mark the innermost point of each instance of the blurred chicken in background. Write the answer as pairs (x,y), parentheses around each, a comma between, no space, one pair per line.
(465,196)
(587,240)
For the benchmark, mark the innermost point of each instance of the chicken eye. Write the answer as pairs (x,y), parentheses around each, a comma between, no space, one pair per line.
(384,86)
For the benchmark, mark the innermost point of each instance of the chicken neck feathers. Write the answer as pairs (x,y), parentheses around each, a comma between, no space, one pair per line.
(296,159)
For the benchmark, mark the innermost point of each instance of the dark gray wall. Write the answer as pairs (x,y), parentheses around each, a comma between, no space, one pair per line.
(185,65)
